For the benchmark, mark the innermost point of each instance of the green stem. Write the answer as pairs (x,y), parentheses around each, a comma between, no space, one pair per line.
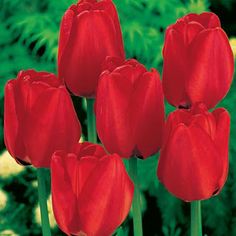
(196,218)
(137,215)
(43,202)
(91,121)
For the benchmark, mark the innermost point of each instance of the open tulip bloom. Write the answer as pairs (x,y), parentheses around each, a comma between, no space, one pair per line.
(198,61)
(91,191)
(89,32)
(129,109)
(39,118)
(193,163)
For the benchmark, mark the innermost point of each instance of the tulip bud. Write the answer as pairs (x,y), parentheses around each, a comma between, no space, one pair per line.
(129,109)
(96,187)
(198,61)
(193,163)
(39,118)
(90,31)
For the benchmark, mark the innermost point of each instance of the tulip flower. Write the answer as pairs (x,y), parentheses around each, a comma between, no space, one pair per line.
(193,163)
(198,61)
(89,32)
(91,191)
(129,109)
(39,118)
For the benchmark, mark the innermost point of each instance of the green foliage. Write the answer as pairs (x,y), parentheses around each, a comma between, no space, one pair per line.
(172,230)
(28,39)
(21,201)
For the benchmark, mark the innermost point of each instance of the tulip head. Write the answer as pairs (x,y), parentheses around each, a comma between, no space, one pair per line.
(39,118)
(198,61)
(89,32)
(129,109)
(193,163)
(96,187)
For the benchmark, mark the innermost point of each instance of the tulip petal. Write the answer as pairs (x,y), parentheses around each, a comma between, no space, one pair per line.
(90,149)
(64,200)
(175,71)
(14,110)
(109,199)
(131,70)
(111,63)
(211,85)
(110,9)
(179,116)
(148,108)
(222,140)
(85,168)
(206,19)
(185,164)
(51,124)
(65,30)
(206,122)
(192,30)
(112,115)
(84,6)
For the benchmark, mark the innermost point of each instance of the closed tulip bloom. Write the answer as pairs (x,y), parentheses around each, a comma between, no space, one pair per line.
(89,32)
(198,61)
(193,163)
(129,109)
(39,118)
(91,191)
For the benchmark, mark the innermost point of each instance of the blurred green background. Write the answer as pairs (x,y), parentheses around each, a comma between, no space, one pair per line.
(28,39)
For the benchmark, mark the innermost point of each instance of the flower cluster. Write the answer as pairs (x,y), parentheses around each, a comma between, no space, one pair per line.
(193,162)
(91,190)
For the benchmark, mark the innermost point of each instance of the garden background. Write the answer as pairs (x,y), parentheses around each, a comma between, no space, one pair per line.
(28,39)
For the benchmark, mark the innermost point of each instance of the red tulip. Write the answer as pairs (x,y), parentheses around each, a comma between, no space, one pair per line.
(193,163)
(91,191)
(130,109)
(198,61)
(90,31)
(39,118)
